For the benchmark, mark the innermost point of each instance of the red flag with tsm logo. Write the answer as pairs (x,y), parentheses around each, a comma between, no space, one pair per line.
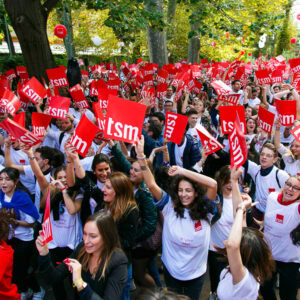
(208,141)
(34,91)
(46,225)
(11,102)
(124,119)
(296,133)
(78,96)
(238,146)
(286,111)
(40,123)
(20,133)
(266,119)
(57,77)
(84,135)
(59,107)
(175,127)
(228,116)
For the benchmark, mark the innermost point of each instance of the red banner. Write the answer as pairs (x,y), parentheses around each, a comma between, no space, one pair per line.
(230,98)
(46,225)
(220,87)
(78,96)
(96,85)
(296,133)
(162,76)
(20,133)
(103,96)
(175,127)
(265,119)
(40,123)
(11,102)
(124,119)
(276,76)
(57,77)
(263,76)
(84,135)
(161,90)
(286,111)
(22,72)
(10,74)
(228,116)
(238,145)
(34,90)
(114,84)
(210,144)
(59,107)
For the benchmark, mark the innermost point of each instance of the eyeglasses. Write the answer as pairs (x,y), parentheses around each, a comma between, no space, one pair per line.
(293,187)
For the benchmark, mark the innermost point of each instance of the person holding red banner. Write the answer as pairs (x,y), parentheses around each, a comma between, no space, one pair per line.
(8,290)
(98,266)
(117,197)
(281,229)
(290,155)
(186,228)
(13,197)
(250,259)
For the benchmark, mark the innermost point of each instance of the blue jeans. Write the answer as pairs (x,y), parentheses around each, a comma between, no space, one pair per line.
(191,288)
(153,271)
(126,291)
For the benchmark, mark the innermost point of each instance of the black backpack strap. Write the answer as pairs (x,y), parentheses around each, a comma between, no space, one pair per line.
(61,136)
(256,176)
(277,179)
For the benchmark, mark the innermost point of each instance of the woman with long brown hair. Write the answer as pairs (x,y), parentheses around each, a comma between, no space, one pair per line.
(98,265)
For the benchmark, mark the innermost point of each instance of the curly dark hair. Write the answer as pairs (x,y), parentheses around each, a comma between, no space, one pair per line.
(6,219)
(199,207)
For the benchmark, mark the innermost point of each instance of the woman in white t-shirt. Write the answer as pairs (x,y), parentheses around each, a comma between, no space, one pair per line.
(250,260)
(290,155)
(251,126)
(15,199)
(282,217)
(186,229)
(221,226)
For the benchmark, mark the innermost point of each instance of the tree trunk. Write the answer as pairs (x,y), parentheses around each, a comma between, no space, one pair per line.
(194,46)
(157,39)
(29,20)
(8,39)
(66,18)
(170,16)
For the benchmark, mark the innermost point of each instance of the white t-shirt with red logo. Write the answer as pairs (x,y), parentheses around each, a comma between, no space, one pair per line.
(246,289)
(178,151)
(221,229)
(279,221)
(185,244)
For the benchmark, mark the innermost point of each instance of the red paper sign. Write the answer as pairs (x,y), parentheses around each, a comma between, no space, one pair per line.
(197,87)
(124,119)
(57,77)
(263,76)
(220,87)
(34,90)
(209,143)
(286,111)
(266,119)
(96,85)
(238,146)
(230,98)
(114,84)
(11,102)
(46,225)
(59,107)
(175,127)
(295,64)
(22,72)
(78,96)
(84,135)
(276,76)
(103,96)
(40,123)
(228,116)
(20,133)
(161,90)
(296,133)
(162,76)
(10,74)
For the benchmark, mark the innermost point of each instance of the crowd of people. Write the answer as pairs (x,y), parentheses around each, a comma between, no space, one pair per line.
(116,210)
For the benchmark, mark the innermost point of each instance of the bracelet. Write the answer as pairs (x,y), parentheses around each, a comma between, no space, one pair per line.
(241,208)
(141,157)
(78,283)
(32,158)
(63,189)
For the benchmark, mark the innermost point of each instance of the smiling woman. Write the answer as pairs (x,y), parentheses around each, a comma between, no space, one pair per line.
(282,216)
(98,265)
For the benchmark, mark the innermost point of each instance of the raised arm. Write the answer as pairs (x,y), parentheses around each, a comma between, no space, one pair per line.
(147,174)
(277,134)
(209,183)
